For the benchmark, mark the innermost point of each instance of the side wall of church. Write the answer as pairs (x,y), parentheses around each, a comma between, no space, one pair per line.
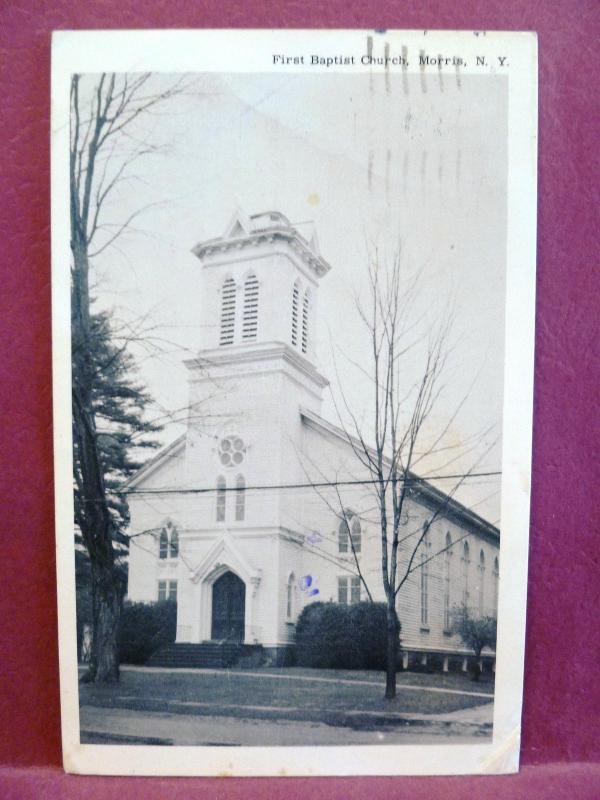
(427,598)
(435,589)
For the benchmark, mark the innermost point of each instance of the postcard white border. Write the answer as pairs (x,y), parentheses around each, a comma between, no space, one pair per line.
(250,51)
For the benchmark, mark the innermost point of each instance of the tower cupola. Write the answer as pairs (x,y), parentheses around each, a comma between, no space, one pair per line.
(260,282)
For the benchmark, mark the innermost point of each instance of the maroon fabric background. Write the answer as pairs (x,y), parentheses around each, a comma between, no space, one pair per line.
(562,695)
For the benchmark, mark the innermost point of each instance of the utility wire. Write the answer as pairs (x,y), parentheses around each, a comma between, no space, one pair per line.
(315,485)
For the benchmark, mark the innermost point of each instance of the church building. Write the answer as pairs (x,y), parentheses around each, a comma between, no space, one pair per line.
(227,519)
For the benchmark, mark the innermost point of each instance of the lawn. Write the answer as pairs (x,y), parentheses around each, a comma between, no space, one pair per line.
(290,693)
(445,680)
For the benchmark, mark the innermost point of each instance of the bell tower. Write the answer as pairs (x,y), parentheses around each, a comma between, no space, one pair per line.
(260,283)
(256,369)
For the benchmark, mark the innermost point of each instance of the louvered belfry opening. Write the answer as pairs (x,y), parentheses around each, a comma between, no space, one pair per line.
(295,304)
(250,317)
(305,310)
(227,312)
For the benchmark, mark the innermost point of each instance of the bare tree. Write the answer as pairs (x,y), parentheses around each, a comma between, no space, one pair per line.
(395,443)
(103,150)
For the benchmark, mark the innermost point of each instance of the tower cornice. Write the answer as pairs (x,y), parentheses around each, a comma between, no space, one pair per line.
(215,247)
(256,352)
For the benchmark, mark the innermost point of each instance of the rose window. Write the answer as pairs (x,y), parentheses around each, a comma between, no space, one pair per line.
(232,451)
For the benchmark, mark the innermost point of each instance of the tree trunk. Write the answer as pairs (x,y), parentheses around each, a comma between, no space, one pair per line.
(104,660)
(393,629)
(476,670)
(94,516)
(96,529)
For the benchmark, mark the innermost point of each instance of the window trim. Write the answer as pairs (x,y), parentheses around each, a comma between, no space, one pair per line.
(348,590)
(290,597)
(221,504)
(173,543)
(466,561)
(350,534)
(496,583)
(305,337)
(168,588)
(231,451)
(424,584)
(250,307)
(228,311)
(240,498)
(354,590)
(168,537)
(295,312)
(163,544)
(447,581)
(481,592)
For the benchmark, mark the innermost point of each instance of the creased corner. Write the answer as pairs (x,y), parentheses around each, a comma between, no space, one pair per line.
(505,757)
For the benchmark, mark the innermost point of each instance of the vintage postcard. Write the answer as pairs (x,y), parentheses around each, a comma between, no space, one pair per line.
(293,288)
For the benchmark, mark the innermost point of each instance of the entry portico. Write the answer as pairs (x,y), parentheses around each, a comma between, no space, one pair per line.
(201,620)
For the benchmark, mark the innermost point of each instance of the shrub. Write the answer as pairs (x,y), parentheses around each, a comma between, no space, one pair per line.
(322,636)
(144,628)
(476,633)
(335,636)
(368,623)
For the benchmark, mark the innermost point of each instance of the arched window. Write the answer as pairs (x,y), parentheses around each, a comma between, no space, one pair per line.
(496,585)
(173,543)
(168,542)
(425,562)
(163,544)
(447,568)
(289,605)
(227,334)
(221,498)
(250,315)
(305,320)
(481,582)
(240,498)
(465,574)
(343,536)
(356,533)
(349,534)
(295,304)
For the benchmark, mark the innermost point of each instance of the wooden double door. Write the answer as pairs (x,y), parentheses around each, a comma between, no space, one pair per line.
(228,608)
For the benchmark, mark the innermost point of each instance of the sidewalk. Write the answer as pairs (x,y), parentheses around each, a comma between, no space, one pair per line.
(476,715)
(124,726)
(476,721)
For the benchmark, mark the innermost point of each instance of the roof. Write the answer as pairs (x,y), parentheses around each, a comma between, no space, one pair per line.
(425,490)
(155,462)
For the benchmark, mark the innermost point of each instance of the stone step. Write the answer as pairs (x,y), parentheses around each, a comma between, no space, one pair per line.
(206,654)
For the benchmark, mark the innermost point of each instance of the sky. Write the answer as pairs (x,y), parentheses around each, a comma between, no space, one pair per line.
(392,164)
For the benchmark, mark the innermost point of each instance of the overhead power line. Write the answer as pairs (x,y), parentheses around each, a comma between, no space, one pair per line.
(314,485)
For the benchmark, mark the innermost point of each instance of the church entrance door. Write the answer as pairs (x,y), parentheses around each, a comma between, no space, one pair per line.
(228,608)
